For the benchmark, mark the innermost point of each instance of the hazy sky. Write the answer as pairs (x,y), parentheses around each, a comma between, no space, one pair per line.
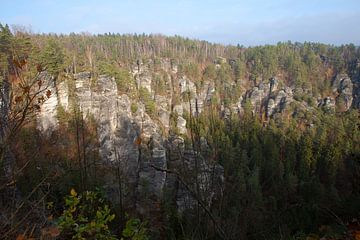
(247,22)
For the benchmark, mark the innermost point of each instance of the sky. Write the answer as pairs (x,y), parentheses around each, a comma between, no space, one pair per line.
(244,22)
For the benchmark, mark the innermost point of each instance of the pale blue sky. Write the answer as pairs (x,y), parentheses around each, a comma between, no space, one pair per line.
(247,22)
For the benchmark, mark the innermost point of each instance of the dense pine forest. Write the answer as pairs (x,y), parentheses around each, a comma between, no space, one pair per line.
(235,166)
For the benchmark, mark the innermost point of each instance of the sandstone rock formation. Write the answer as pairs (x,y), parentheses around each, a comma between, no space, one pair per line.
(144,163)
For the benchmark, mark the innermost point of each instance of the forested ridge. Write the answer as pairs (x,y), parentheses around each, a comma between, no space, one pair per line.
(271,150)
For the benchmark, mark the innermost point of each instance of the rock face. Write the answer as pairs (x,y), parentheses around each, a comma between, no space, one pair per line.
(142,75)
(267,96)
(279,101)
(63,95)
(47,120)
(181,125)
(117,130)
(144,147)
(83,93)
(163,108)
(344,87)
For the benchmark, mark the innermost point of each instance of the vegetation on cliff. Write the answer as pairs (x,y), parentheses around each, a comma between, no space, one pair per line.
(292,176)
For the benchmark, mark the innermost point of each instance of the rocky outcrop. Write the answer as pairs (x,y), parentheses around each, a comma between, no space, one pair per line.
(118,131)
(63,95)
(153,155)
(343,86)
(46,118)
(163,109)
(142,75)
(258,95)
(181,125)
(279,101)
(187,86)
(267,96)
(143,147)
(84,93)
(145,72)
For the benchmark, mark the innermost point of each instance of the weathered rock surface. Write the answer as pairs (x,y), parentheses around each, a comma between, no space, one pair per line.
(47,120)
(163,109)
(344,87)
(63,95)
(279,101)
(181,125)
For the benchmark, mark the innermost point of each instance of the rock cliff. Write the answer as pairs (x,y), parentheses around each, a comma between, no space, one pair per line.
(145,146)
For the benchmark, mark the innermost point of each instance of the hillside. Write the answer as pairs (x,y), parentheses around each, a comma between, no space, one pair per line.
(197,140)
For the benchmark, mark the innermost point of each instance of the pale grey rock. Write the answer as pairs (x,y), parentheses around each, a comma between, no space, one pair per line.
(142,75)
(83,92)
(336,83)
(181,125)
(344,87)
(151,182)
(116,130)
(274,83)
(144,80)
(271,105)
(143,72)
(207,92)
(174,69)
(258,96)
(203,97)
(187,86)
(279,101)
(163,109)
(178,109)
(47,117)
(63,94)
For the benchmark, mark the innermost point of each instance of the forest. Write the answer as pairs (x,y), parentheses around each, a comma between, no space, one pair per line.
(294,174)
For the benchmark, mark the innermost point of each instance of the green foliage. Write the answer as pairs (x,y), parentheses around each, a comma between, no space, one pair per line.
(282,174)
(135,230)
(133,107)
(6,39)
(52,57)
(159,84)
(191,70)
(148,101)
(124,81)
(86,216)
(209,72)
(62,115)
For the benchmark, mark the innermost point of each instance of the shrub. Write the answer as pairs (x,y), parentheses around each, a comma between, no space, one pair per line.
(124,81)
(134,107)
(85,217)
(149,103)
(135,230)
